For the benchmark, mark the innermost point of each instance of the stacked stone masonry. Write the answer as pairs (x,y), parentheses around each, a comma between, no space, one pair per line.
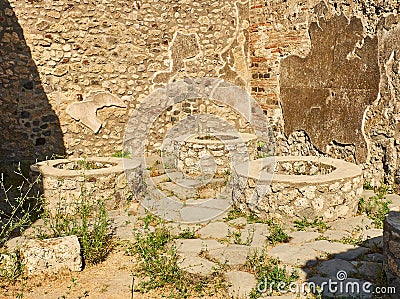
(391,249)
(55,55)
(296,187)
(214,154)
(70,181)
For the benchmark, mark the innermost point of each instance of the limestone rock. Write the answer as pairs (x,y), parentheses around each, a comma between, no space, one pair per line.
(240,283)
(232,255)
(217,230)
(197,265)
(51,255)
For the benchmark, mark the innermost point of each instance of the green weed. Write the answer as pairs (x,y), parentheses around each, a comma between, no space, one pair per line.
(121,154)
(21,204)
(375,207)
(317,223)
(277,234)
(268,273)
(158,261)
(88,221)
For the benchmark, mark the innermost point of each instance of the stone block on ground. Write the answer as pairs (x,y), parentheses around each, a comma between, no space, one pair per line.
(292,254)
(240,283)
(51,255)
(351,224)
(195,246)
(255,235)
(231,255)
(330,268)
(197,265)
(215,230)
(303,237)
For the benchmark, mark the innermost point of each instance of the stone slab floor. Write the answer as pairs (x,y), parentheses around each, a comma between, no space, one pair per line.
(317,254)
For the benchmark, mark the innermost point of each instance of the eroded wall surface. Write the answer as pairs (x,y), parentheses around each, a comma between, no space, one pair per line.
(325,72)
(125,49)
(330,86)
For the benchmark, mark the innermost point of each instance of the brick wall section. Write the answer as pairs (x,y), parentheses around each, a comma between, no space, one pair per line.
(271,38)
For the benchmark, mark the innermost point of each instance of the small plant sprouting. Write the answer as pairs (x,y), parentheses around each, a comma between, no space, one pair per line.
(22,204)
(187,233)
(267,270)
(10,266)
(375,207)
(158,260)
(368,186)
(121,154)
(317,223)
(277,234)
(88,220)
(352,241)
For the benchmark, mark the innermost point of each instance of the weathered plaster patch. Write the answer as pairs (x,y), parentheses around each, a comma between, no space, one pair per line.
(183,47)
(86,111)
(327,92)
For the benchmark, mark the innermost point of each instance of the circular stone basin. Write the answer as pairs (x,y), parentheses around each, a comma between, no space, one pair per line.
(213,154)
(65,181)
(291,187)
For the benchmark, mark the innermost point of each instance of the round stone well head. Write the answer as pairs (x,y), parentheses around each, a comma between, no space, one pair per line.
(68,181)
(214,153)
(294,187)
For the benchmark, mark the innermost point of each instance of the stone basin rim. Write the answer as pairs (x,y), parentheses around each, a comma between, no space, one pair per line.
(343,170)
(119,165)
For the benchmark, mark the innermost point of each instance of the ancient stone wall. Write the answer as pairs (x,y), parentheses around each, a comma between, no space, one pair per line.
(123,49)
(325,72)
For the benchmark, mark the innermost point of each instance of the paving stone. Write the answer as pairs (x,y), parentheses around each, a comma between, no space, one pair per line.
(367,194)
(178,228)
(240,283)
(195,246)
(342,251)
(292,254)
(166,208)
(255,235)
(51,255)
(179,191)
(232,255)
(303,273)
(352,253)
(199,214)
(395,199)
(122,226)
(221,203)
(197,265)
(374,257)
(373,238)
(331,267)
(174,175)
(215,230)
(351,224)
(332,234)
(159,179)
(368,269)
(303,237)
(329,247)
(188,183)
